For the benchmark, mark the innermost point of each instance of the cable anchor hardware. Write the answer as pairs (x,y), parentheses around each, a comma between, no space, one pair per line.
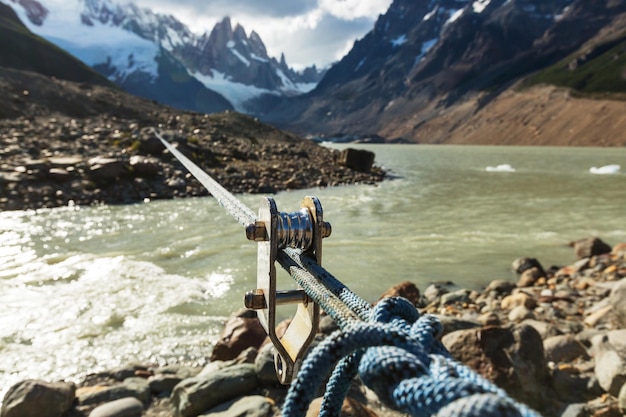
(274,230)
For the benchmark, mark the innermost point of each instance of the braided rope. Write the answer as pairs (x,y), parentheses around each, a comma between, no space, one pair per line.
(397,355)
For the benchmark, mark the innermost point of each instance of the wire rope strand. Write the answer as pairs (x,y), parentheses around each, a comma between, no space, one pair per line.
(356,304)
(233,206)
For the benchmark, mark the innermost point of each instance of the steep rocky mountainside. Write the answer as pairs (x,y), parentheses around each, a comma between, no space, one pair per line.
(428,66)
(43,57)
(158,57)
(38,79)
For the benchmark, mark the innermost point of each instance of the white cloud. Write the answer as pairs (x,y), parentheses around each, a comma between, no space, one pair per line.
(306,31)
(354,9)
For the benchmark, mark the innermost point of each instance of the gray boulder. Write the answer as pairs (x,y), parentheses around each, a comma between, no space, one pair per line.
(586,248)
(105,169)
(611,371)
(197,395)
(145,166)
(459,296)
(434,291)
(131,387)
(617,300)
(124,407)
(357,159)
(452,324)
(265,366)
(563,348)
(522,264)
(163,384)
(35,398)
(512,357)
(251,406)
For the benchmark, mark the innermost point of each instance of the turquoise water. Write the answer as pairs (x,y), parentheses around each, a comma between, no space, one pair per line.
(84,289)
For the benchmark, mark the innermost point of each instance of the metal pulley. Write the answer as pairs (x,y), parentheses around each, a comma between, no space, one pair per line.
(273,231)
(279,233)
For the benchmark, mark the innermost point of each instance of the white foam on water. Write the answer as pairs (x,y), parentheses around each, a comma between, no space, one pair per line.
(500,168)
(606,169)
(85,314)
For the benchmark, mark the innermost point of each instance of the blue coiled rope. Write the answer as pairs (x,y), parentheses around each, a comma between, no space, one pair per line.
(398,355)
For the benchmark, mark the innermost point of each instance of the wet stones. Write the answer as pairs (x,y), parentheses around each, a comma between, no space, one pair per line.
(558,345)
(250,406)
(131,387)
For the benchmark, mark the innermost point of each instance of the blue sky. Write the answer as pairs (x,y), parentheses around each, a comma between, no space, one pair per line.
(307,31)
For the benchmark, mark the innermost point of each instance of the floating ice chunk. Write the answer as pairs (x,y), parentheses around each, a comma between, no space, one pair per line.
(606,169)
(500,168)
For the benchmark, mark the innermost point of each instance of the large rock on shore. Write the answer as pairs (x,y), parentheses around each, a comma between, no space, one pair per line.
(250,406)
(610,366)
(240,332)
(34,398)
(586,248)
(197,395)
(512,357)
(358,159)
(130,387)
(124,407)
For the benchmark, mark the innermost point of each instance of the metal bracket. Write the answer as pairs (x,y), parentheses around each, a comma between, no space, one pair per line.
(273,231)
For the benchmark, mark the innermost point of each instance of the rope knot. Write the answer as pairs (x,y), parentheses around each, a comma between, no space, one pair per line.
(394,309)
(397,354)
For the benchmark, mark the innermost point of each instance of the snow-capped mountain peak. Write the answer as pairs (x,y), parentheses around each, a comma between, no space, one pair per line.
(136,47)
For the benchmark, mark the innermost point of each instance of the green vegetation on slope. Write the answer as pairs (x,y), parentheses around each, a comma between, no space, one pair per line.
(600,70)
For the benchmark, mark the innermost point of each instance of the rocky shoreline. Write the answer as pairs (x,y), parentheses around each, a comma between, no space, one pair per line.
(56,161)
(555,340)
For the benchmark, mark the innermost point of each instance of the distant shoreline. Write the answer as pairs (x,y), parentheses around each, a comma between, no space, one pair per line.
(60,161)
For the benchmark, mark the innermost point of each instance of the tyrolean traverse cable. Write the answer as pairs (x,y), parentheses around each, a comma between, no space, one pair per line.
(393,348)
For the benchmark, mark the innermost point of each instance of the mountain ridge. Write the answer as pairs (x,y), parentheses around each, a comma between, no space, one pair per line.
(424,70)
(458,55)
(129,44)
